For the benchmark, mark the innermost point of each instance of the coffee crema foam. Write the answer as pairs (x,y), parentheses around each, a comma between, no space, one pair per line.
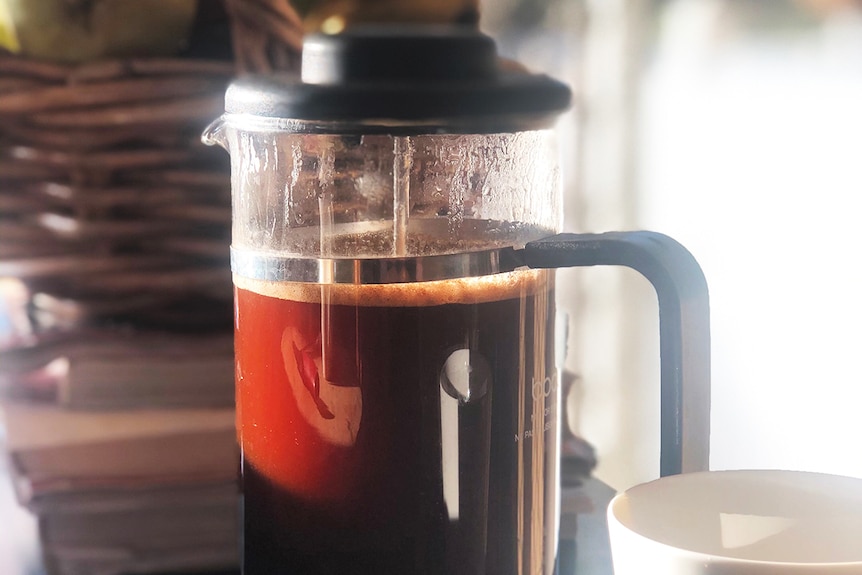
(473,290)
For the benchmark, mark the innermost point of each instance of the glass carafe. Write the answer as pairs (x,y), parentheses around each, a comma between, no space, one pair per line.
(395,218)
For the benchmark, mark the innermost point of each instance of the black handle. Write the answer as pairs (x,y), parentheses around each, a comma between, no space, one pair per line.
(683,300)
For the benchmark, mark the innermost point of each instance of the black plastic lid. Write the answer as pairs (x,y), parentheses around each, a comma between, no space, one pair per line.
(435,77)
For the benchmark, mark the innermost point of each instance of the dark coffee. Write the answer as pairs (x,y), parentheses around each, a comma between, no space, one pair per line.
(405,429)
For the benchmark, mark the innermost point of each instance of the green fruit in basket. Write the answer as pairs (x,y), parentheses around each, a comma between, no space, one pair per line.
(83,30)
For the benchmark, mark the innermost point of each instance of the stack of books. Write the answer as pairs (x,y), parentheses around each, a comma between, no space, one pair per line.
(122,442)
(96,368)
(126,491)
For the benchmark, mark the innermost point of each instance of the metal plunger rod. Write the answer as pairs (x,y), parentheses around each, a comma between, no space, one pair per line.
(403,163)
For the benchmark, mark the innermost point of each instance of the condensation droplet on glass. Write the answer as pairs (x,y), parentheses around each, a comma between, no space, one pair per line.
(465,376)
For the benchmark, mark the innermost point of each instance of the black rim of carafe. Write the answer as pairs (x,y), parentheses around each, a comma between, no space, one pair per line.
(401,80)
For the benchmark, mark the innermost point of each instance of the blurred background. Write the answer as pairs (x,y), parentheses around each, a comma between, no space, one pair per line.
(733,126)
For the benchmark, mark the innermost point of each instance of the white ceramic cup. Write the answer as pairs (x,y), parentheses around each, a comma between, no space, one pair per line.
(739,523)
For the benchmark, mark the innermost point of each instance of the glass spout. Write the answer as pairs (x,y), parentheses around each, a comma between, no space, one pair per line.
(214,134)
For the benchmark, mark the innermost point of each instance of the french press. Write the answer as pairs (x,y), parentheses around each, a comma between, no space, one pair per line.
(395,228)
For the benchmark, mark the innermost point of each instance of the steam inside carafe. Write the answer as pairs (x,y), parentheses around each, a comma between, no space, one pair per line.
(372,196)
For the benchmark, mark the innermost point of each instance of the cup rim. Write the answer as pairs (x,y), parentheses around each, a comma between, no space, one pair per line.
(615,502)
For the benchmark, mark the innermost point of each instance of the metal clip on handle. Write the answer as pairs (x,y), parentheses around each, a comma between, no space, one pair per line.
(684,328)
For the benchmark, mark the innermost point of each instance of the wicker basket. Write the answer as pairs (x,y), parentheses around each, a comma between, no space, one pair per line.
(111,210)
